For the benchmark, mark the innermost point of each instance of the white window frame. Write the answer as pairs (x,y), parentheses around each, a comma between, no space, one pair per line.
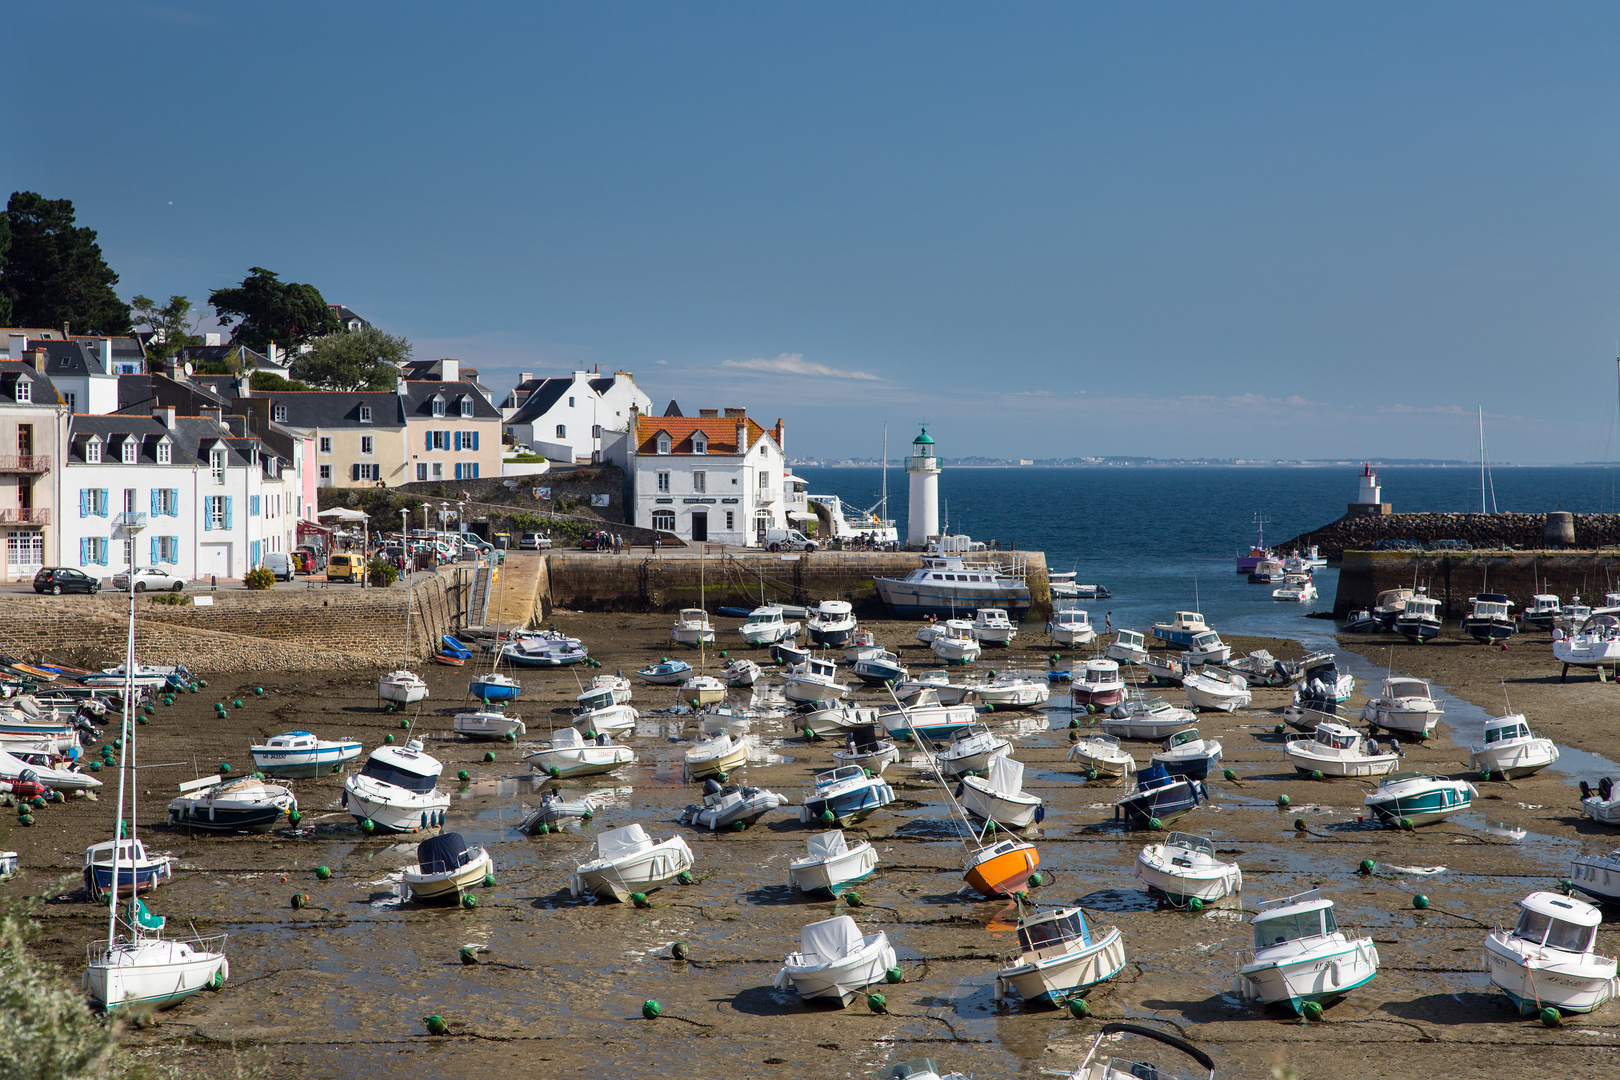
(700,443)
(562,431)
(216,511)
(368,445)
(663,444)
(93,503)
(324,445)
(421,470)
(216,465)
(663,483)
(326,474)
(129,453)
(466,406)
(25,392)
(438,405)
(663,520)
(278,413)
(92,452)
(365,414)
(700,481)
(165,452)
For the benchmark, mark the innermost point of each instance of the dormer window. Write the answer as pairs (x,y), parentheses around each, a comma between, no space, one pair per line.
(466,406)
(25,392)
(128,453)
(700,445)
(278,413)
(92,452)
(365,414)
(165,452)
(438,404)
(216,465)
(663,444)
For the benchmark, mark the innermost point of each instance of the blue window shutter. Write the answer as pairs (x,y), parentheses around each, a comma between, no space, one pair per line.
(104,494)
(429,437)
(208,514)
(154,551)
(475,464)
(174,550)
(253,506)
(154,502)
(229,499)
(105,544)
(475,444)
(174,502)
(84,550)
(84,504)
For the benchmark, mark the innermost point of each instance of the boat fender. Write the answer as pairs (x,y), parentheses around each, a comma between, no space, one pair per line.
(1395,748)
(1606,788)
(1040,813)
(216,981)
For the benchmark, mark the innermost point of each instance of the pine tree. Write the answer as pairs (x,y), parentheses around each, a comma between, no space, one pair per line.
(54,272)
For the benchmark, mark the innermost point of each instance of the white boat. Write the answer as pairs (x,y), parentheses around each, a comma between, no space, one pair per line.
(1098,686)
(971,751)
(740,672)
(14,768)
(1510,749)
(138,870)
(402,687)
(831,623)
(1012,692)
(1419,620)
(1180,630)
(928,631)
(1543,609)
(1389,604)
(732,806)
(1268,571)
(1297,588)
(863,645)
(1116,1067)
(1403,705)
(832,865)
(1597,876)
(845,795)
(1153,718)
(1169,668)
(1595,641)
(489,725)
(571,754)
(945,691)
(924,713)
(992,627)
(880,668)
(626,860)
(240,804)
(1071,626)
(1207,648)
(1103,755)
(703,690)
(813,680)
(619,686)
(1549,959)
(1059,958)
(1187,753)
(956,643)
(832,719)
(555,809)
(866,747)
(1209,689)
(599,709)
(396,790)
(765,625)
(296,755)
(846,522)
(727,719)
(446,867)
(1602,806)
(1301,955)
(146,677)
(716,757)
(835,961)
(1335,750)
(1000,797)
(1128,647)
(1184,867)
(692,628)
(946,583)
(1412,797)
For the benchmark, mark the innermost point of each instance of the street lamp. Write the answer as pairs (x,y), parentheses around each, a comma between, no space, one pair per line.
(425,509)
(405,540)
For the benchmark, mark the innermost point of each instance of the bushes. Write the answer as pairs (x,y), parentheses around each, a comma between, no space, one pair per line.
(259,579)
(172,599)
(382,573)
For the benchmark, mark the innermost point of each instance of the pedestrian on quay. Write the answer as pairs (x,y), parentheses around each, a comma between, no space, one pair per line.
(1108,622)
(658,544)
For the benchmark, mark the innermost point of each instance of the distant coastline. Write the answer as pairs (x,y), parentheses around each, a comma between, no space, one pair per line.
(1160,463)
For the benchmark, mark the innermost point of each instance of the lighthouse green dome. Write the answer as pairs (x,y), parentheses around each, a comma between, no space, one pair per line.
(923,438)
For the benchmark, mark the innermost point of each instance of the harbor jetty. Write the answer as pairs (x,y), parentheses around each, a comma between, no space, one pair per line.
(1558,530)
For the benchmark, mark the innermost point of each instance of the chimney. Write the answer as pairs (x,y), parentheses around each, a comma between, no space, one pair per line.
(17,347)
(399,387)
(39,359)
(237,423)
(780,435)
(106,355)
(737,412)
(450,370)
(711,413)
(524,376)
(212,412)
(65,335)
(164,414)
(244,386)
(742,436)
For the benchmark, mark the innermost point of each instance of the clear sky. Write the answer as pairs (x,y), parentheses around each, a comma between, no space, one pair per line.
(1302,230)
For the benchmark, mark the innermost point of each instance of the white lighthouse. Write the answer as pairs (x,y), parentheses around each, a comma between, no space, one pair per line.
(923,519)
(1370,495)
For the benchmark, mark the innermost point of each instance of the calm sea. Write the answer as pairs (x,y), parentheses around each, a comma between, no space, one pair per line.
(1156,537)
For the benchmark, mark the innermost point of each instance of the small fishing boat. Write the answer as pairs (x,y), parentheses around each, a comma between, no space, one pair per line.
(1128,647)
(1209,689)
(1189,754)
(832,865)
(844,796)
(1158,799)
(1207,648)
(1059,958)
(1071,626)
(732,806)
(1114,1067)
(1388,605)
(917,1069)
(555,810)
(866,747)
(1103,755)
(1600,805)
(765,626)
(862,643)
(1184,867)
(740,672)
(956,643)
(1296,588)
(971,751)
(832,719)
(451,646)
(396,790)
(1150,718)
(1403,705)
(831,623)
(703,690)
(788,652)
(1361,621)
(1260,668)
(114,678)
(1549,959)
(1301,955)
(599,709)
(144,970)
(1268,571)
(1510,749)
(1419,799)
(1182,629)
(495,687)
(616,684)
(928,631)
(1488,620)
(240,804)
(813,680)
(992,627)
(626,860)
(446,867)
(666,672)
(1335,750)
(1420,620)
(999,796)
(1598,876)
(880,668)
(1168,668)
(725,718)
(1543,609)
(1012,692)
(1001,869)
(692,628)
(716,757)
(921,712)
(836,961)
(488,725)
(401,688)
(1099,686)
(945,692)
(138,871)
(544,652)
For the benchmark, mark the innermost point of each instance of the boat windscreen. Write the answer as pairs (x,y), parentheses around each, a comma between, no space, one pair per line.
(1054,932)
(392,774)
(1302,924)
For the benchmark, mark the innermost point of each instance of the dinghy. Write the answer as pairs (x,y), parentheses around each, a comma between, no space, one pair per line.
(1211,690)
(1421,800)
(1000,797)
(1059,958)
(788,652)
(397,791)
(1301,955)
(832,865)
(844,796)
(715,757)
(446,867)
(1510,750)
(1548,960)
(765,626)
(488,725)
(666,672)
(1189,754)
(1103,755)
(1128,647)
(939,682)
(832,720)
(495,687)
(14,769)
(571,754)
(1114,1067)
(1158,799)
(1338,751)
(992,627)
(866,747)
(555,810)
(1153,718)
(1184,867)
(971,750)
(1167,668)
(740,672)
(813,680)
(1600,805)
(1011,692)
(626,860)
(836,961)
(299,755)
(831,623)
(240,804)
(1099,686)
(1001,869)
(732,806)
(1404,705)
(703,690)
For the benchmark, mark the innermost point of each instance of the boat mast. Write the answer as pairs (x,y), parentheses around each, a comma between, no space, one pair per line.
(883,514)
(123,772)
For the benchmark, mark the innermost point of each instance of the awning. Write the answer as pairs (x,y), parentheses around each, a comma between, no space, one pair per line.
(790,478)
(309,528)
(343,513)
(800,515)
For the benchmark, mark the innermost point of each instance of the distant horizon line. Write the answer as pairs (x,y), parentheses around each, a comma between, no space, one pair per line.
(1194,463)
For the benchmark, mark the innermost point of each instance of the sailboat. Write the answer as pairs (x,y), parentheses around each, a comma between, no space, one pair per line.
(139,966)
(491,721)
(703,688)
(403,687)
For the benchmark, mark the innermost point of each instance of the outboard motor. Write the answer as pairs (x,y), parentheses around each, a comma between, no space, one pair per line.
(1395,748)
(1586,790)
(711,786)
(602,738)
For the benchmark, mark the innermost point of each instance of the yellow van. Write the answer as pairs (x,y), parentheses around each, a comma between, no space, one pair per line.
(343,568)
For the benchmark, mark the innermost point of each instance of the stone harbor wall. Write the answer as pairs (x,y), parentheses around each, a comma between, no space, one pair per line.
(1454,576)
(1493,532)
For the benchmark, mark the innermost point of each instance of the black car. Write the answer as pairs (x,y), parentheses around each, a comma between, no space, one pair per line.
(61,579)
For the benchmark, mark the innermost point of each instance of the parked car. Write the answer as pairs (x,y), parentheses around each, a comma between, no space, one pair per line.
(148,578)
(343,568)
(600,540)
(61,579)
(533,541)
(280,564)
(788,540)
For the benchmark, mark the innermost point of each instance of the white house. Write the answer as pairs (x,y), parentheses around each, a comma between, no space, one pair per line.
(712,477)
(564,419)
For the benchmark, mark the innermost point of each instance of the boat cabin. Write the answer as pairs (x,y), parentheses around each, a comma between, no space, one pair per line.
(769,615)
(833,610)
(1189,621)
(1393,600)
(1490,609)
(1182,738)
(1506,728)
(1051,934)
(990,617)
(866,739)
(1544,604)
(1601,626)
(1294,919)
(592,700)
(293,740)
(1337,737)
(405,767)
(1208,640)
(1191,843)
(694,616)
(1557,922)
(820,670)
(1101,671)
(1406,688)
(1422,607)
(1131,639)
(839,775)
(1574,613)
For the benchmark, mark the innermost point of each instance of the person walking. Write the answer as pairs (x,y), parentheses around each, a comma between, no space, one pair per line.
(1108,622)
(658,544)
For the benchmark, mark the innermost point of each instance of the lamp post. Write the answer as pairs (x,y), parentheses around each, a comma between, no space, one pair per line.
(405,541)
(425,509)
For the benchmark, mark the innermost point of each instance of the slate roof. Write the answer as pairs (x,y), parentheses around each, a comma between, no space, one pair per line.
(43,391)
(721,432)
(338,408)
(418,400)
(124,349)
(673,410)
(193,437)
(546,393)
(194,354)
(70,359)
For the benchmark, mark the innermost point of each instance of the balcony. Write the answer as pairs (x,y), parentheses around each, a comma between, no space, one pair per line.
(25,463)
(129,522)
(27,515)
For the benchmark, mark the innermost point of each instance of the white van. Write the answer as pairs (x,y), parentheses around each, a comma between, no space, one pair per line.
(788,540)
(280,564)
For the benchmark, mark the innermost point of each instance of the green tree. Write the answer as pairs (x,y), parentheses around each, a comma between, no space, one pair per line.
(264,309)
(269,381)
(54,272)
(5,246)
(172,325)
(367,359)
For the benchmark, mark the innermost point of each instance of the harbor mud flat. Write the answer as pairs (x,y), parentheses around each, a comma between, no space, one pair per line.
(341,987)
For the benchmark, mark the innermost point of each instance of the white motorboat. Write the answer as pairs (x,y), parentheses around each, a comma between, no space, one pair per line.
(1404,798)
(1510,749)
(1012,692)
(488,725)
(1597,876)
(865,746)
(813,680)
(666,672)
(992,627)
(138,870)
(740,672)
(296,755)
(555,809)
(1207,648)
(1171,668)
(1114,1067)
(956,643)
(146,677)
(626,861)
(928,631)
(1419,620)
(1594,640)
(1297,588)
(863,645)
(766,626)
(1389,604)
(1071,626)
(727,719)
(396,790)
(945,691)
(1301,955)
(971,751)
(1403,705)
(1335,750)
(1209,689)
(835,961)
(946,583)
(732,806)
(619,686)
(240,804)
(1128,647)
(692,628)
(832,719)
(402,687)
(1103,755)
(999,796)
(1543,609)
(446,867)
(1151,718)
(880,668)
(715,757)
(1187,753)
(845,795)
(1059,958)
(831,623)
(600,709)
(1601,805)
(1268,571)
(1180,630)
(922,714)
(1549,959)
(1098,686)
(1184,867)
(1320,693)
(14,769)
(703,690)
(571,754)
(832,865)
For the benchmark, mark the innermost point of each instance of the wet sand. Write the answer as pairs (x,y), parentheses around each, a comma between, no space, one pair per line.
(339,989)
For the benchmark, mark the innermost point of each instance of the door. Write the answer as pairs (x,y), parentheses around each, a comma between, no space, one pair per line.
(700,525)
(215,559)
(25,554)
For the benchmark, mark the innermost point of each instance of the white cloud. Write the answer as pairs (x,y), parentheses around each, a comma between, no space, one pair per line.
(1447,410)
(796,364)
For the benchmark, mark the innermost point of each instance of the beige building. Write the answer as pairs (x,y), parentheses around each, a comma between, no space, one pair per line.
(33,432)
(360,437)
(452,430)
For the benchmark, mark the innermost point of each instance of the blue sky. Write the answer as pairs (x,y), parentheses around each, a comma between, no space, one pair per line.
(1070,229)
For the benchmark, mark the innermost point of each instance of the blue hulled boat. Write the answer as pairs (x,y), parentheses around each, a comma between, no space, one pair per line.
(1419,799)
(1160,796)
(495,687)
(844,796)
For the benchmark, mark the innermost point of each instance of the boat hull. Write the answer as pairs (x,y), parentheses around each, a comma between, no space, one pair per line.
(580,760)
(257,819)
(398,811)
(640,872)
(844,980)
(154,974)
(1321,979)
(1205,885)
(305,764)
(1163,804)
(1423,809)
(1517,760)
(488,727)
(833,877)
(1532,984)
(1050,981)
(703,768)
(1004,873)
(450,885)
(1418,722)
(1485,631)
(1103,696)
(847,807)
(493,691)
(986,804)
(144,878)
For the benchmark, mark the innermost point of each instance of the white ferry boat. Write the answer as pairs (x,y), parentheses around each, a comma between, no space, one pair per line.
(848,523)
(948,585)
